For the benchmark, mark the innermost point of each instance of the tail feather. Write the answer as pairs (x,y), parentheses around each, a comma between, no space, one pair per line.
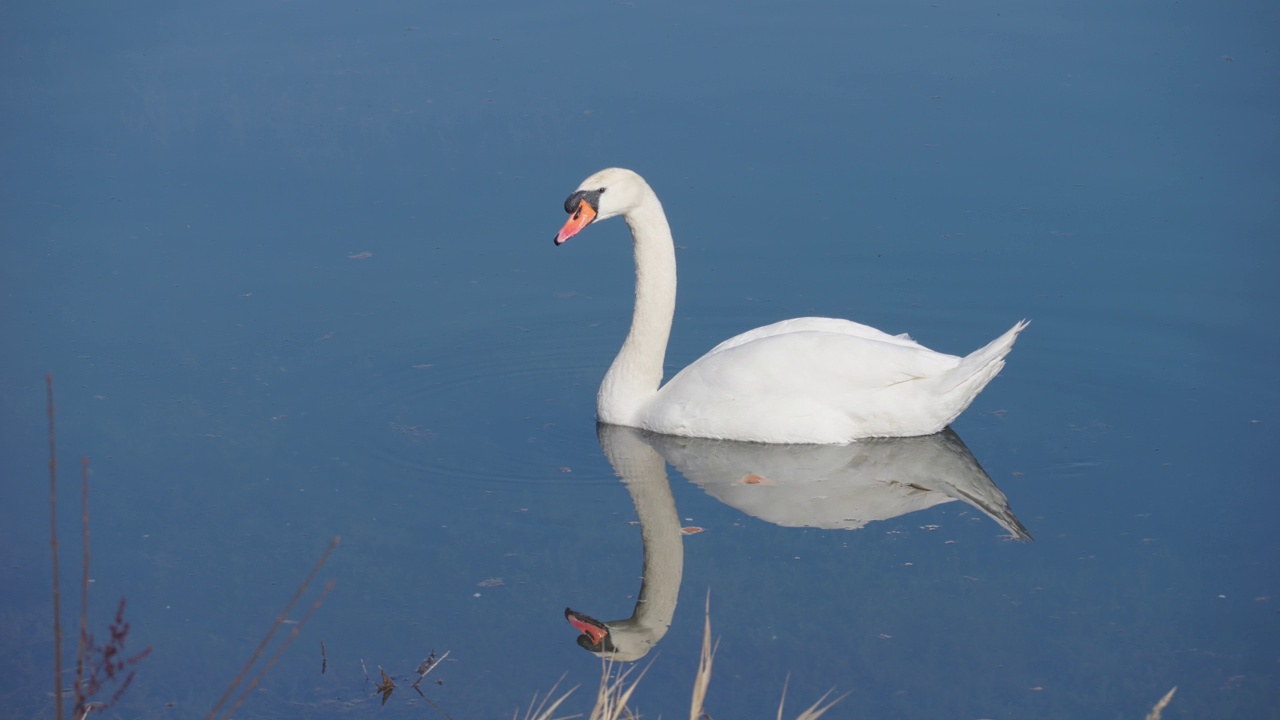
(976,369)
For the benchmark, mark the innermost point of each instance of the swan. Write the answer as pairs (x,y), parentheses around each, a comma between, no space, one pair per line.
(809,380)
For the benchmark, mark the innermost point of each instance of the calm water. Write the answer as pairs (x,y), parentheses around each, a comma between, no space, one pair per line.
(291,267)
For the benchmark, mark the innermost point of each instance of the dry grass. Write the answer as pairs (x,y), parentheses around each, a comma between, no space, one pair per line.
(612,696)
(1159,708)
(614,691)
(814,711)
(541,710)
(702,680)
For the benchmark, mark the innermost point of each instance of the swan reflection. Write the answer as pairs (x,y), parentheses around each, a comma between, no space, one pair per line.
(839,486)
(821,486)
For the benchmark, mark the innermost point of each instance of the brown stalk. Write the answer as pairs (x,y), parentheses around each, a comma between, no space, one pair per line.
(84,583)
(285,645)
(276,626)
(53,543)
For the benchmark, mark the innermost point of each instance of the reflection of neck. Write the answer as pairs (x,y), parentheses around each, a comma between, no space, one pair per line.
(643,472)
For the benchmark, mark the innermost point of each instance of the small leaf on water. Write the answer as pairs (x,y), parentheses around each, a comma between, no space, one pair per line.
(386,687)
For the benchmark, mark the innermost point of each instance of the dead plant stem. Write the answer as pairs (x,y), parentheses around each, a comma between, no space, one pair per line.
(84,587)
(53,544)
(284,614)
(284,645)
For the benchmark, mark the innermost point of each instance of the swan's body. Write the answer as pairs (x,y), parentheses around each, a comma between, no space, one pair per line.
(807,380)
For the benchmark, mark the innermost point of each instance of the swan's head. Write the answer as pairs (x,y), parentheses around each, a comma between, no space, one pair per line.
(610,192)
(594,634)
(620,640)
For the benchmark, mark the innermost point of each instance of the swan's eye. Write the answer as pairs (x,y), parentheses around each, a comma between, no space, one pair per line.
(573,205)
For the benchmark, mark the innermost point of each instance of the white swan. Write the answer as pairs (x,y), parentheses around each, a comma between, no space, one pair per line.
(807,380)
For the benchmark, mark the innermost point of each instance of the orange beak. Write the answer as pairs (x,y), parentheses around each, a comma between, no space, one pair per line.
(581,218)
(593,631)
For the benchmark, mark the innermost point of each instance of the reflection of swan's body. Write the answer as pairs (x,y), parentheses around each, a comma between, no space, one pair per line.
(839,486)
(827,486)
(642,470)
(807,380)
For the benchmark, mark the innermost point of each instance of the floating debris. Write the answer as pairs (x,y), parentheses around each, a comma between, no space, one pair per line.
(425,668)
(386,687)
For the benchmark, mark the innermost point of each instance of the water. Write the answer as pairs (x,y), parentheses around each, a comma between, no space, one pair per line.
(189,195)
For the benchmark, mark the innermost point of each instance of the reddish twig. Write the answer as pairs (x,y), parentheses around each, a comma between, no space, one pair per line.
(53,544)
(99,666)
(96,667)
(106,665)
(84,584)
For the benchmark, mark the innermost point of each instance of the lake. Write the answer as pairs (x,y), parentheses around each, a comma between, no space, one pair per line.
(290,267)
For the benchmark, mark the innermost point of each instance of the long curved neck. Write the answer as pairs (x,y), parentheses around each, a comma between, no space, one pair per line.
(644,472)
(636,372)
(663,553)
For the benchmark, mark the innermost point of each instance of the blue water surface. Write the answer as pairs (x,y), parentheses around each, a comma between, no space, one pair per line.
(290,266)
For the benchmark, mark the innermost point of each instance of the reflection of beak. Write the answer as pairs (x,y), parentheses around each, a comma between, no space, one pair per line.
(594,633)
(580,219)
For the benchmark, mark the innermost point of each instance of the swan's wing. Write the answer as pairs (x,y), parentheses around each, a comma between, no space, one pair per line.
(801,359)
(801,386)
(833,326)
